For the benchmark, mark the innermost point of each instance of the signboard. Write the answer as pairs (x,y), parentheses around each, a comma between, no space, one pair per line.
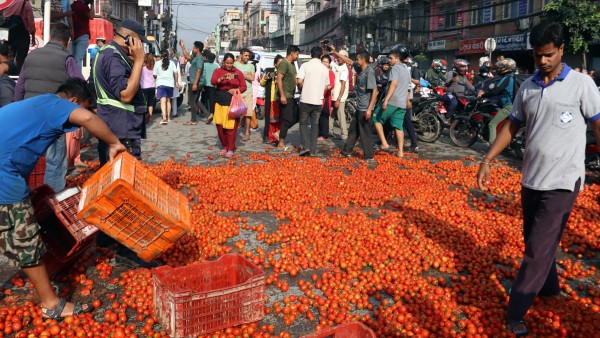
(273,23)
(436,45)
(144,3)
(5,3)
(471,46)
(512,42)
(490,45)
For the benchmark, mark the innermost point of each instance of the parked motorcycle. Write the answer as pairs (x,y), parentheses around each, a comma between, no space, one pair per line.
(467,128)
(428,125)
(592,153)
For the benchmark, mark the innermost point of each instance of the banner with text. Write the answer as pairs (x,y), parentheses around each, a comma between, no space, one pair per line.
(471,46)
(436,45)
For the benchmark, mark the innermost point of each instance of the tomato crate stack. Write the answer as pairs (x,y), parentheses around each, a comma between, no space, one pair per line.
(135,207)
(347,330)
(67,238)
(208,296)
(36,178)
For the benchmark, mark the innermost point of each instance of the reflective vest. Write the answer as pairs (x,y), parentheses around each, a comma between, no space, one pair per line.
(103,98)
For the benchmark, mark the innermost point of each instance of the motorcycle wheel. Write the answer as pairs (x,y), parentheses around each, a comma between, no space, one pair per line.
(518,143)
(462,134)
(428,127)
(259,112)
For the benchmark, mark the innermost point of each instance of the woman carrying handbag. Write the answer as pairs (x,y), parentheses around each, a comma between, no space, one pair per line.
(229,81)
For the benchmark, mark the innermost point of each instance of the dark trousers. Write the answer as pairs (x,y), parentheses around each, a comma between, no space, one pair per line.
(359,127)
(545,215)
(193,103)
(324,122)
(451,102)
(410,127)
(134,147)
(19,40)
(289,116)
(228,136)
(309,114)
(208,99)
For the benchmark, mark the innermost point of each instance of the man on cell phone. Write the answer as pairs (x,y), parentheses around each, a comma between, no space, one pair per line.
(121,103)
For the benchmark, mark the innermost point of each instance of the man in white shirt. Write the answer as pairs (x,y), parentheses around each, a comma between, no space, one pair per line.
(312,81)
(340,94)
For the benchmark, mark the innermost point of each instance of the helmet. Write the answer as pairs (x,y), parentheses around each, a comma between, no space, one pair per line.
(458,63)
(506,66)
(484,70)
(403,51)
(438,62)
(256,57)
(384,60)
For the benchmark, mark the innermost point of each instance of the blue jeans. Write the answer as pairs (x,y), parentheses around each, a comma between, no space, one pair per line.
(79,47)
(451,102)
(56,165)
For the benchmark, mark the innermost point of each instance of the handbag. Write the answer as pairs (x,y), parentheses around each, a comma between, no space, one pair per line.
(238,107)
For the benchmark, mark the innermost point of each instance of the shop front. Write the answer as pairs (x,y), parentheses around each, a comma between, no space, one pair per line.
(441,49)
(471,50)
(516,47)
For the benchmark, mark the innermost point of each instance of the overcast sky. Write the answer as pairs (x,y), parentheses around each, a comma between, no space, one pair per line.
(201,18)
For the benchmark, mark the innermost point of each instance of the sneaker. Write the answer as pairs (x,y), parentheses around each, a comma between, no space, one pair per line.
(414,149)
(304,153)
(371,161)
(229,154)
(163,122)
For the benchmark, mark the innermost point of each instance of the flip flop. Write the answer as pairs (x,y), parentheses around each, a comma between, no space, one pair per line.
(190,123)
(56,314)
(518,327)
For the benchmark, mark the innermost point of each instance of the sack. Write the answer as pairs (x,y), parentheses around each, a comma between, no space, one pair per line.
(237,108)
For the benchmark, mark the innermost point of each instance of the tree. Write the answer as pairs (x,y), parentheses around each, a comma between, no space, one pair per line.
(581,19)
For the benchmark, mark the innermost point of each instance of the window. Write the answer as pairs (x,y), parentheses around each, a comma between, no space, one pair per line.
(515,8)
(447,17)
(483,13)
(97,8)
(116,8)
(131,12)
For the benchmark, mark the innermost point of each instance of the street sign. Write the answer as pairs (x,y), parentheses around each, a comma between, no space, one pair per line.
(5,3)
(490,45)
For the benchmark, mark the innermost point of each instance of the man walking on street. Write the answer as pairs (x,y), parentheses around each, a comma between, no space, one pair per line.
(82,14)
(366,96)
(313,81)
(44,70)
(121,103)
(286,85)
(196,69)
(340,94)
(395,102)
(553,105)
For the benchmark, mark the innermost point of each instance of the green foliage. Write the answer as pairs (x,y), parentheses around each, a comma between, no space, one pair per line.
(581,19)
(420,58)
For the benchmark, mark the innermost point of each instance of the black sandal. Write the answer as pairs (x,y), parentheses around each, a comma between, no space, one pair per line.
(518,327)
(56,314)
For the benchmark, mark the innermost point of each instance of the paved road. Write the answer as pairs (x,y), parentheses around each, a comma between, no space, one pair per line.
(200,141)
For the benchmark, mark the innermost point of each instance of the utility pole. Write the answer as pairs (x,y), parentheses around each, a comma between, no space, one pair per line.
(284,24)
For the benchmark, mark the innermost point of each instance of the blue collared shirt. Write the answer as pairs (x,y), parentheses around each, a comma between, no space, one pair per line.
(113,69)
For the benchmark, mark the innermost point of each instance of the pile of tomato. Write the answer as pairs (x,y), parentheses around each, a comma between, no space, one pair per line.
(408,247)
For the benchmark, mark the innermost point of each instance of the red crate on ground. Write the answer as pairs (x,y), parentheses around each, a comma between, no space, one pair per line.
(63,233)
(205,297)
(55,263)
(136,208)
(36,178)
(348,330)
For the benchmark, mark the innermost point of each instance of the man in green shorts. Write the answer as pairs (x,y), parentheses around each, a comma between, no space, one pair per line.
(393,107)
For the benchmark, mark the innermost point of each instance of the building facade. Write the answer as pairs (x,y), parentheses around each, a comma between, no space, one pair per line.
(229,31)
(288,28)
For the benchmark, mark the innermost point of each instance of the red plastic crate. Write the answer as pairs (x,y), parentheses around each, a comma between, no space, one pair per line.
(135,207)
(64,234)
(347,330)
(205,297)
(36,178)
(55,263)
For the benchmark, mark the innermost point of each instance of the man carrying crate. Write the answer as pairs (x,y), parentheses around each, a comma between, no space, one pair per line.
(27,129)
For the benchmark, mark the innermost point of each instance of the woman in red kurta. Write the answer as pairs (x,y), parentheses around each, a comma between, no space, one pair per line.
(327,108)
(227,80)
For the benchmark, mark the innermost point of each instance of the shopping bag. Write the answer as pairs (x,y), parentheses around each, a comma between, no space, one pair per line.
(237,108)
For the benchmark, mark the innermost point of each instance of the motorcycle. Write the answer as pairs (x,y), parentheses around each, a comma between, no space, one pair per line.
(468,128)
(428,124)
(592,152)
